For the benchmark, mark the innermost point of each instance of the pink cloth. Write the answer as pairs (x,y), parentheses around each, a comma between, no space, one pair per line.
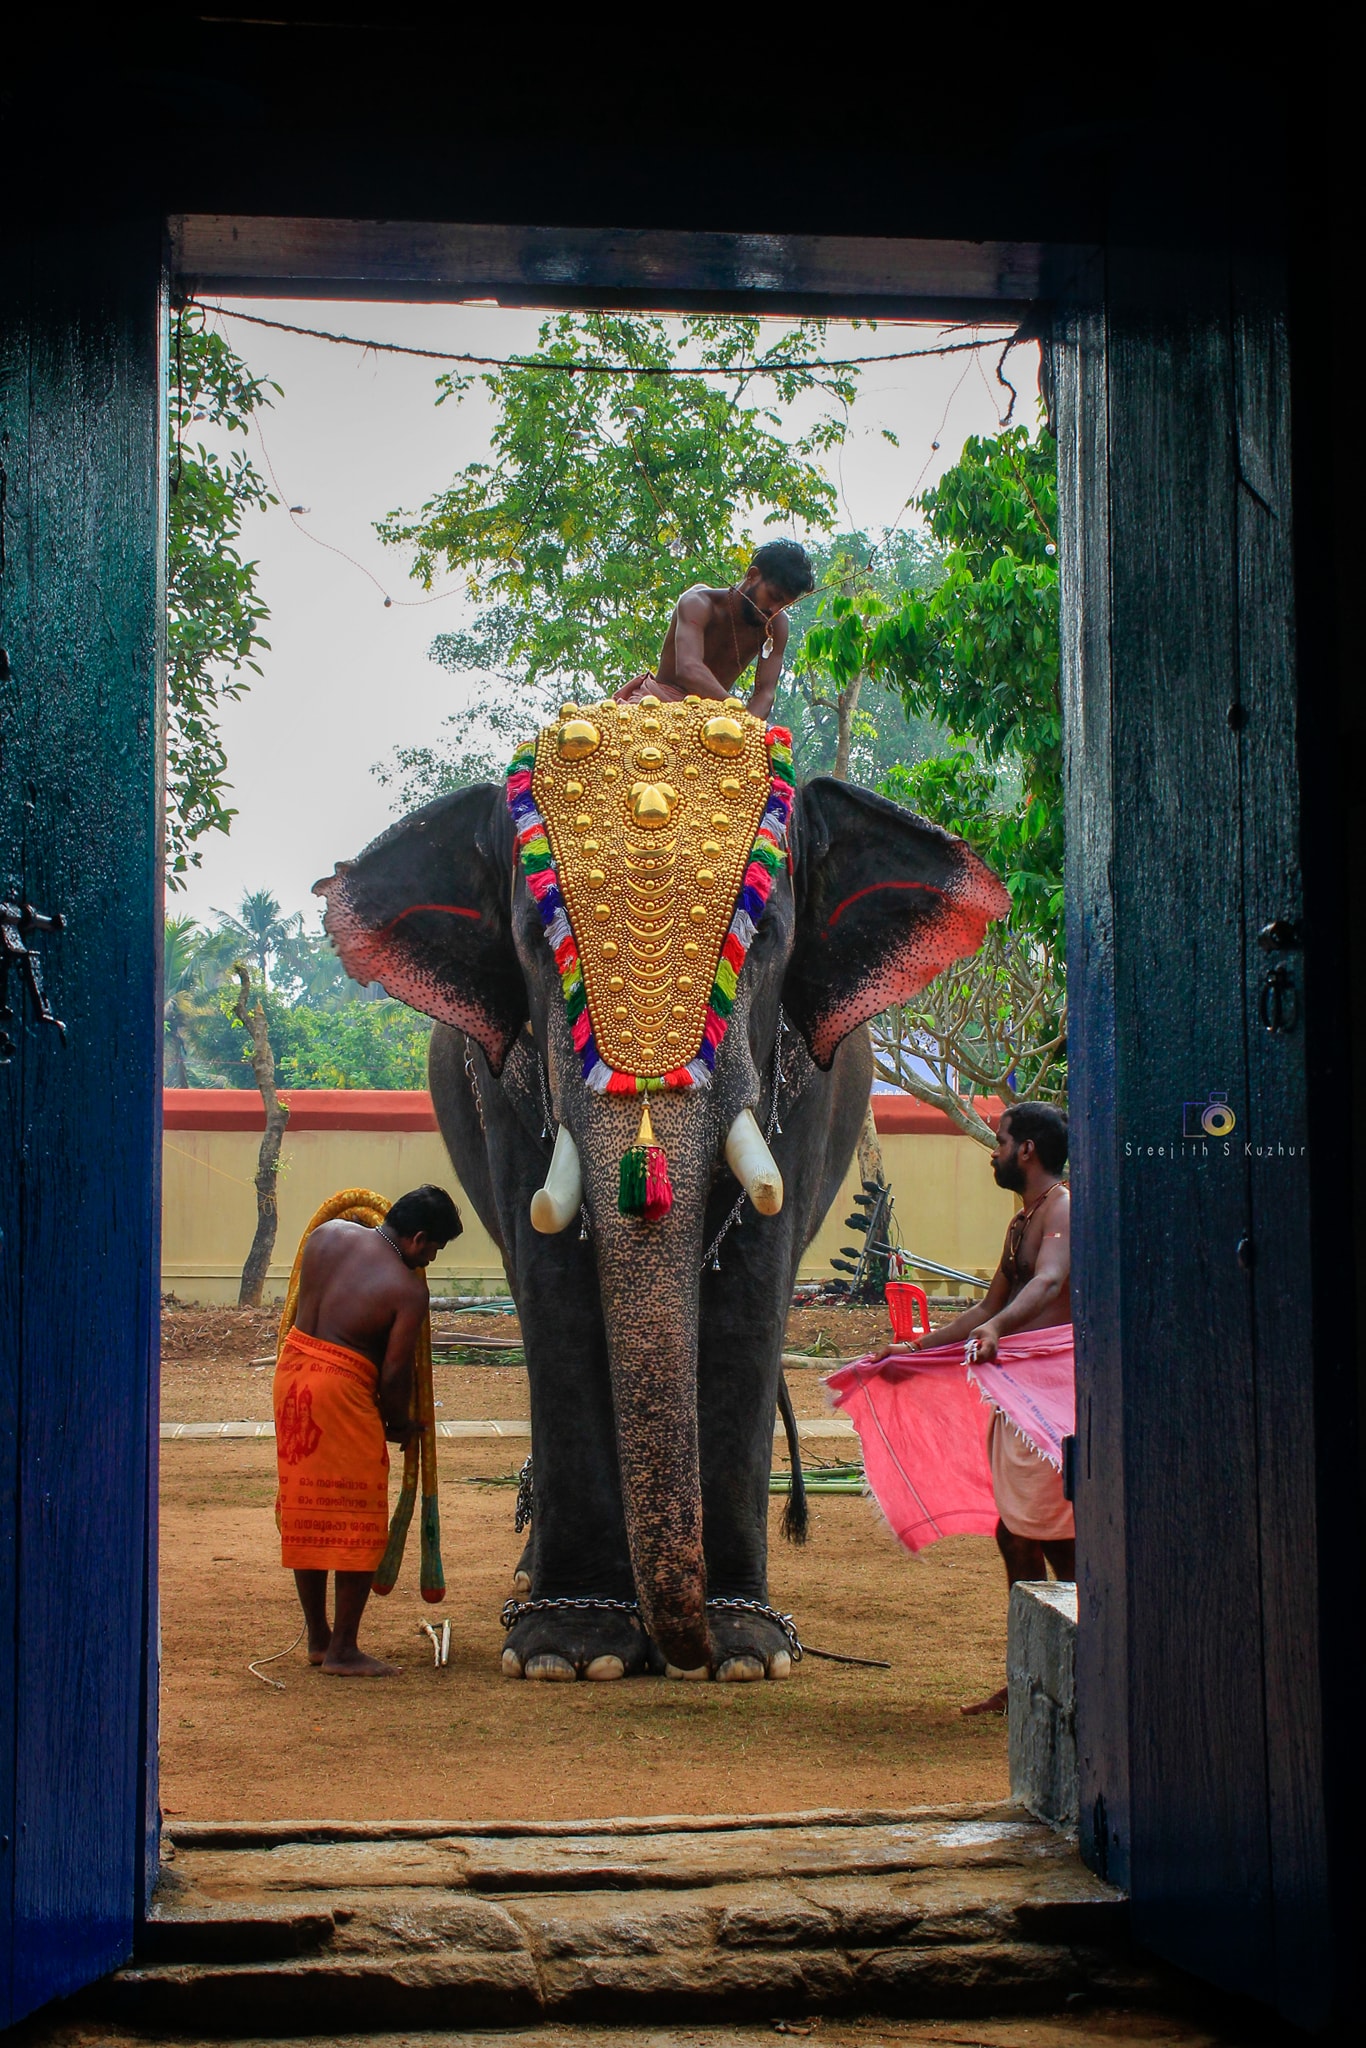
(923,1427)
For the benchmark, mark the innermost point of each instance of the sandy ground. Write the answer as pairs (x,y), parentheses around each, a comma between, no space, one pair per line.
(465,1743)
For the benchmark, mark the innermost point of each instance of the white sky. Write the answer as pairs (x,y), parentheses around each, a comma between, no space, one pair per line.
(357,436)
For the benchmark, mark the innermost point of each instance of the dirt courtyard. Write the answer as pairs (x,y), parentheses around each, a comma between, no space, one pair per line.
(464,1743)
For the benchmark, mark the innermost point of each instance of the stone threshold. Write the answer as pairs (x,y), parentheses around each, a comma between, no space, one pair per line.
(313,1927)
(808,1431)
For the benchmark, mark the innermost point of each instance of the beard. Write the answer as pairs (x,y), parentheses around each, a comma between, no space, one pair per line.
(1009,1175)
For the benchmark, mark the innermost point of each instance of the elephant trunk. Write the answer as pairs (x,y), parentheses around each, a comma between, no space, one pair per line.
(649,1275)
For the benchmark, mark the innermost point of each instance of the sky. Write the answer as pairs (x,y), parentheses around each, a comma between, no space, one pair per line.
(356,436)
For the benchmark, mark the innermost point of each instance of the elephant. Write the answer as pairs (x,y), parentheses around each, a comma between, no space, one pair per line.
(653,1348)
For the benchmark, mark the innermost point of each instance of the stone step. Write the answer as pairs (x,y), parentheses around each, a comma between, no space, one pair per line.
(933,1913)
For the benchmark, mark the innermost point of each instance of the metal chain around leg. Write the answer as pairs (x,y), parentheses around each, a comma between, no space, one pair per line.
(784,1621)
(513,1610)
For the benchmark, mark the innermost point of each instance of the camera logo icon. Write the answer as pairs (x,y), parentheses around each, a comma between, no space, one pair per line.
(1210,1119)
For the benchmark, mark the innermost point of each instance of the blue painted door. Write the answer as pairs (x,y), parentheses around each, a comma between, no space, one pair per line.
(80,554)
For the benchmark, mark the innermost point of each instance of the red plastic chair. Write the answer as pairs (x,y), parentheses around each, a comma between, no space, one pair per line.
(906,1302)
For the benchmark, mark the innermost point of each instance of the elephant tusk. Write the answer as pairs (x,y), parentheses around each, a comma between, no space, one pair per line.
(554,1206)
(750,1160)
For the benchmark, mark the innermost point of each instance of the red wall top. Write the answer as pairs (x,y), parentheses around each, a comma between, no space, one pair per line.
(410,1109)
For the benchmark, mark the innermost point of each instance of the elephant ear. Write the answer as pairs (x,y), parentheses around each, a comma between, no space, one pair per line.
(885,901)
(425,910)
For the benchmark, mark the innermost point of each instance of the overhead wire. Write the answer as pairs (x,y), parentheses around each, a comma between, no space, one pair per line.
(775,367)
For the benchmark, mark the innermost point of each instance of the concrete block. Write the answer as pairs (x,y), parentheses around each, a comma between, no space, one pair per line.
(1041,1671)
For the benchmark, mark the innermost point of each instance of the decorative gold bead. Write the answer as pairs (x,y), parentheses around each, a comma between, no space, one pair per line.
(569,710)
(609,773)
(573,789)
(720,821)
(698,913)
(579,738)
(671,1038)
(692,771)
(705,878)
(650,757)
(602,912)
(620,1010)
(610,949)
(590,845)
(691,948)
(583,823)
(649,698)
(614,981)
(679,1010)
(652,804)
(596,877)
(734,704)
(685,980)
(711,847)
(730,785)
(724,736)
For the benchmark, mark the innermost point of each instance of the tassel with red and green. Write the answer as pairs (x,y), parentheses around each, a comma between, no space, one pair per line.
(645,1188)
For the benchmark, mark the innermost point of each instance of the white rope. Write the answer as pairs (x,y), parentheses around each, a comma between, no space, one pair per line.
(278,1683)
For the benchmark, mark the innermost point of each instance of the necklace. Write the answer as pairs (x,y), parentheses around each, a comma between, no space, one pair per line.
(767,618)
(383,1230)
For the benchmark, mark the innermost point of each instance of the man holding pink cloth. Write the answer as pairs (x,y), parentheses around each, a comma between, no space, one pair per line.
(955,1452)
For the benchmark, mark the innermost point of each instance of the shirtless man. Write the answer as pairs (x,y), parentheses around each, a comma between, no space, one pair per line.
(342,1386)
(714,635)
(1030,1290)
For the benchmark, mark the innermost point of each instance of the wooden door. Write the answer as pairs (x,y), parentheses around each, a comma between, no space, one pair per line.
(80,587)
(1200,1722)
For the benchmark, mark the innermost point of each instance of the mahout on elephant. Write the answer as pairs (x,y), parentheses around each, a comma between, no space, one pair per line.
(547,941)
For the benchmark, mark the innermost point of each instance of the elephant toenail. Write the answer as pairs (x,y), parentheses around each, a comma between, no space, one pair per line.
(512,1664)
(551,1668)
(672,1671)
(741,1670)
(522,1584)
(605,1667)
(780,1665)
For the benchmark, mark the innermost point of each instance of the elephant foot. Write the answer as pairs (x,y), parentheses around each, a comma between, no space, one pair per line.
(747,1647)
(561,1644)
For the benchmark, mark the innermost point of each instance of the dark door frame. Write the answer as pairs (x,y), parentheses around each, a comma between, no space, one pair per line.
(1206,1708)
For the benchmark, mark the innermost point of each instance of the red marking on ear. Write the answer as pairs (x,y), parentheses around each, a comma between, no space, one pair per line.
(838,912)
(451,909)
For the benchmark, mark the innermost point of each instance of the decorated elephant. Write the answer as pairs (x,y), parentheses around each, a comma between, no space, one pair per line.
(650,959)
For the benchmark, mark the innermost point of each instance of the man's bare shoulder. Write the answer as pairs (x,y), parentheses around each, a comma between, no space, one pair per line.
(699,601)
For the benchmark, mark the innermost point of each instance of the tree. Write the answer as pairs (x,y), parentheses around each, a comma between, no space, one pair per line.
(214,611)
(610,494)
(846,719)
(260,930)
(253,1023)
(981,654)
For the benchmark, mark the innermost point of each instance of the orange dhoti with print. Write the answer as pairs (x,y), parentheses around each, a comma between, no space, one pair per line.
(333,1503)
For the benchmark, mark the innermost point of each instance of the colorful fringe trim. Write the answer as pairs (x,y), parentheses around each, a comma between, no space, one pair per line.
(768,855)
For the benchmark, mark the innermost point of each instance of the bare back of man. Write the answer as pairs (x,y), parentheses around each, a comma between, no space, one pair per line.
(363,1291)
(355,1290)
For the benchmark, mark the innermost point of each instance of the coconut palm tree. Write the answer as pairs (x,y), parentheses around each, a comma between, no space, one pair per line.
(259,931)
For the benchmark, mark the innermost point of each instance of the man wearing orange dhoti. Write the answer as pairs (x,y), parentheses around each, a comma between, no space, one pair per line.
(343,1385)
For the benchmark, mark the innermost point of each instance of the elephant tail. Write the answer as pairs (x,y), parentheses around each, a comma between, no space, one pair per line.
(795,1518)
